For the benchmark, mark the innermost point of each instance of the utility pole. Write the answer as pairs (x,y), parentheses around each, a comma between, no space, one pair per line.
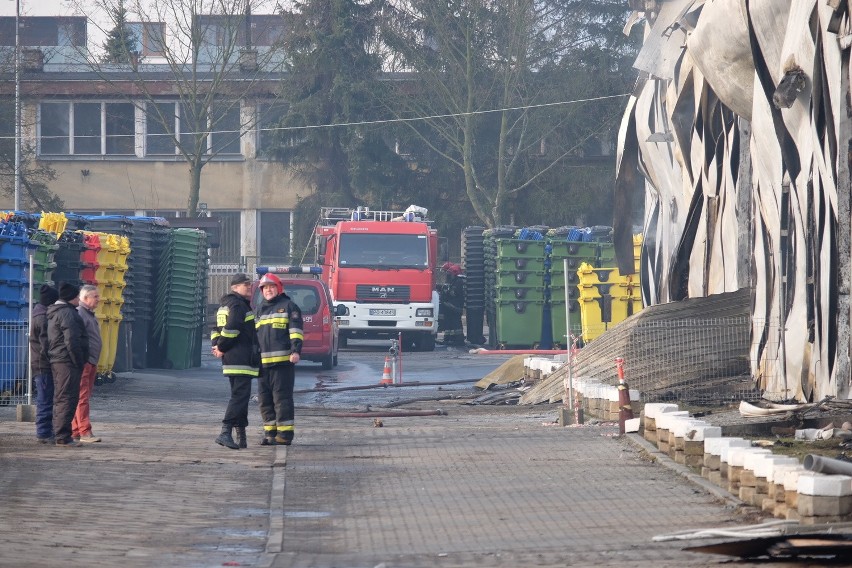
(17,105)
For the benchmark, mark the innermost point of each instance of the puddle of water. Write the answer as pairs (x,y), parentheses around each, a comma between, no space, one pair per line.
(306,514)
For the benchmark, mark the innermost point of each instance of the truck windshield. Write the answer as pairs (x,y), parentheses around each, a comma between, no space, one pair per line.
(373,250)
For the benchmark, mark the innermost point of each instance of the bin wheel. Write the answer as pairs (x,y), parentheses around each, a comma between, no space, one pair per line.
(536,345)
(99,380)
(557,346)
(501,346)
(109,377)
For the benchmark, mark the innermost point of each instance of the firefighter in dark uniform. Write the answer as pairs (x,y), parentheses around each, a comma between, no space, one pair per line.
(451,297)
(235,341)
(280,335)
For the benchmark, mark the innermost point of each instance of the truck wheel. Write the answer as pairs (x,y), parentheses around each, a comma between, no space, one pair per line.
(334,360)
(328,362)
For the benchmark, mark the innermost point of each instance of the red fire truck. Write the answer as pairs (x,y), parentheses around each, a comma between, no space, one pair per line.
(381,265)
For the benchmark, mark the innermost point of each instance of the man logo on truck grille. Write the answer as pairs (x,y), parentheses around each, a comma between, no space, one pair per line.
(382,291)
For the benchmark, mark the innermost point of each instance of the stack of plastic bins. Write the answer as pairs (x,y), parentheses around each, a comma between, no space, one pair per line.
(69,257)
(181,296)
(520,292)
(14,284)
(110,280)
(489,248)
(606,298)
(45,248)
(142,244)
(161,245)
(575,253)
(55,223)
(122,226)
(473,262)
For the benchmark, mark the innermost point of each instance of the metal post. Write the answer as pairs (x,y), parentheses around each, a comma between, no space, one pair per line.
(29,326)
(17,106)
(398,379)
(569,345)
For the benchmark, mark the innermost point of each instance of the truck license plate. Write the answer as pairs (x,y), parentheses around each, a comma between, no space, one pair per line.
(382,312)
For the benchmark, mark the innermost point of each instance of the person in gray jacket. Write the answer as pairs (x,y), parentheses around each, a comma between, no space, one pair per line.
(81,426)
(68,351)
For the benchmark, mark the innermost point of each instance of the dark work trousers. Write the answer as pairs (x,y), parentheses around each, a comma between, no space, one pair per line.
(275,392)
(237,413)
(44,405)
(66,393)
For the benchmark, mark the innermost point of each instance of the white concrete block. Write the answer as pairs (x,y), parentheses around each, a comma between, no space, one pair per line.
(665,419)
(681,426)
(653,409)
(824,485)
(703,433)
(779,471)
(631,425)
(764,467)
(713,445)
(726,449)
(612,394)
(791,478)
(736,456)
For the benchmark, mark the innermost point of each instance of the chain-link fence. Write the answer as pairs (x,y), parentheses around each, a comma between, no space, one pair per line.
(13,362)
(702,361)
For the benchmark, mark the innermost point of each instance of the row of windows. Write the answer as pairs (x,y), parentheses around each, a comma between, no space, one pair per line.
(149,129)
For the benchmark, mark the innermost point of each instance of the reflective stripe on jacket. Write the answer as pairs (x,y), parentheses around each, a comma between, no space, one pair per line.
(279,330)
(236,337)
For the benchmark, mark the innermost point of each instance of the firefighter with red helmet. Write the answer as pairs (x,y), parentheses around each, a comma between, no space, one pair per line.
(280,335)
(451,307)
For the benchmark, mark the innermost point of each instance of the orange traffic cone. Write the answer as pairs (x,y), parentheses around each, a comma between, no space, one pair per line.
(387,379)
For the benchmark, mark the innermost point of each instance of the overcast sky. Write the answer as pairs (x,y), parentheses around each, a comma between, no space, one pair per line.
(37,8)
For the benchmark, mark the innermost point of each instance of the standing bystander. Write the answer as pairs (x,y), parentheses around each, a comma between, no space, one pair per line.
(42,376)
(235,341)
(279,333)
(68,350)
(81,426)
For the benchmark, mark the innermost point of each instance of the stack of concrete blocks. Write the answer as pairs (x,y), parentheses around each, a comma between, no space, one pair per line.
(686,440)
(649,418)
(601,401)
(779,485)
(785,503)
(823,498)
(715,467)
(664,424)
(736,464)
(538,368)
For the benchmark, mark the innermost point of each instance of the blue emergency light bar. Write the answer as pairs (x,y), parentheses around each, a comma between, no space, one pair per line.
(261,270)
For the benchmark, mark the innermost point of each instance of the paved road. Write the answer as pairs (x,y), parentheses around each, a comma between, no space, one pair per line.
(480,486)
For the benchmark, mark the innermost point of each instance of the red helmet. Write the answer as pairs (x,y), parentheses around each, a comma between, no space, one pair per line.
(451,268)
(268,279)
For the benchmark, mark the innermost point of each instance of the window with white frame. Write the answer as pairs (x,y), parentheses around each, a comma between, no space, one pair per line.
(220,127)
(86,128)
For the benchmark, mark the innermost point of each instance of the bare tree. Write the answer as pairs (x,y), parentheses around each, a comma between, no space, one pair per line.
(196,63)
(483,94)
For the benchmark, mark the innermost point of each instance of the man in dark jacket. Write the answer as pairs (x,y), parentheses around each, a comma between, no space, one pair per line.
(68,351)
(279,333)
(235,341)
(42,375)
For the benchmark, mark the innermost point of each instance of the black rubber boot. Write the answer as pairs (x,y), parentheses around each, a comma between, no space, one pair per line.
(241,437)
(226,440)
